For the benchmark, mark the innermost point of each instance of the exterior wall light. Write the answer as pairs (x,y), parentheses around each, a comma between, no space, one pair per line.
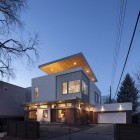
(120,107)
(102,108)
(74,63)
(79,106)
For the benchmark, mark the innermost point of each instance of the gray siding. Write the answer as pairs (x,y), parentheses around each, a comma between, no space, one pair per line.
(66,78)
(78,75)
(86,80)
(93,89)
(11,99)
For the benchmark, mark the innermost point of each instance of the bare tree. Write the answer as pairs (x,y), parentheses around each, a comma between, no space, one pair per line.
(10,48)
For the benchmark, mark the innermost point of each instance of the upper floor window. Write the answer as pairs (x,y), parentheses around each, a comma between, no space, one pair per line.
(97,98)
(64,88)
(84,88)
(74,86)
(36,92)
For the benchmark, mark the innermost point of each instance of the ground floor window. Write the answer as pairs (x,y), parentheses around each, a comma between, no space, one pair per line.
(45,113)
(32,115)
(61,114)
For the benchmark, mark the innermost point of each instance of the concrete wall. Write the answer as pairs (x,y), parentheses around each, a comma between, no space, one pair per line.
(113,107)
(11,99)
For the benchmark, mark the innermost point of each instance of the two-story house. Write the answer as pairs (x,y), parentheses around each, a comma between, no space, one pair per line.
(67,93)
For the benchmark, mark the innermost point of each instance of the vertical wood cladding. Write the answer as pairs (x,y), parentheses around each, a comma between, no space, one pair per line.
(91,116)
(95,117)
(71,115)
(128,117)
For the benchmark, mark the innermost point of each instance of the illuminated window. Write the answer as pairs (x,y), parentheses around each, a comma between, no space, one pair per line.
(43,106)
(61,105)
(74,86)
(69,104)
(61,114)
(84,88)
(33,108)
(54,106)
(64,88)
(32,115)
(45,113)
(36,92)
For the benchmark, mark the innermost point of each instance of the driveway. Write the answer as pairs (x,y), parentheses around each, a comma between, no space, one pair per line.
(96,132)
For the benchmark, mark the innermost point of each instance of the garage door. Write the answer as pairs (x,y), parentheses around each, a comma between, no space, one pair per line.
(119,117)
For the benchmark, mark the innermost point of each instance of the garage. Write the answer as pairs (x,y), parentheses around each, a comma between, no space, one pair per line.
(118,117)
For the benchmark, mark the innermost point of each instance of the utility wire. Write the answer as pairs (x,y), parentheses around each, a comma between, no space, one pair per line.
(130,46)
(119,29)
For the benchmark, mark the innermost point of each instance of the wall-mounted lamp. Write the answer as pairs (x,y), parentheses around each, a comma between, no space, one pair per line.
(120,107)
(102,108)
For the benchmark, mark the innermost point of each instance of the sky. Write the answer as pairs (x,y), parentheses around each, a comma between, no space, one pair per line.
(67,27)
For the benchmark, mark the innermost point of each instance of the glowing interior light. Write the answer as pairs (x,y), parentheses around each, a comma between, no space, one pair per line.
(51,69)
(74,63)
(87,71)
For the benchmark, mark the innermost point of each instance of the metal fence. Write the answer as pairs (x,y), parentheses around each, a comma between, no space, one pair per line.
(127,132)
(24,129)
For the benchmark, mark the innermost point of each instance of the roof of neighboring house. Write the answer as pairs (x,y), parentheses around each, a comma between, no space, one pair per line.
(73,61)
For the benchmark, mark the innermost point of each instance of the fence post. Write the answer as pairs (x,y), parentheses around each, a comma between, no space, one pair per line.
(69,131)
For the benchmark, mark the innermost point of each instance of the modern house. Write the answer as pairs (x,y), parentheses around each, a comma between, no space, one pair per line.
(68,93)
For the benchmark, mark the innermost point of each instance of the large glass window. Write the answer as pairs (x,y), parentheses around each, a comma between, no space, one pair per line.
(45,113)
(32,115)
(74,86)
(84,88)
(97,98)
(61,105)
(64,88)
(36,92)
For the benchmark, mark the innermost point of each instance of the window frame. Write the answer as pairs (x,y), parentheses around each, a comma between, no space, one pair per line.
(86,91)
(62,88)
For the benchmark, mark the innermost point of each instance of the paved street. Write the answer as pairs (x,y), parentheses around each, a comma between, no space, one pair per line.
(96,132)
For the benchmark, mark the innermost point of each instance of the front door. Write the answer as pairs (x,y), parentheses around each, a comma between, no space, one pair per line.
(53,115)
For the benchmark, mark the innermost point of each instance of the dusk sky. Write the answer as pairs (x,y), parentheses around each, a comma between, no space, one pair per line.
(67,27)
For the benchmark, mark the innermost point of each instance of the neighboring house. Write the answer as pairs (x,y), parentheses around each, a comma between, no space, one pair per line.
(69,94)
(11,99)
(105,99)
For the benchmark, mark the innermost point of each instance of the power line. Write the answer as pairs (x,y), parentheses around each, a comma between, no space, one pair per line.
(130,46)
(119,29)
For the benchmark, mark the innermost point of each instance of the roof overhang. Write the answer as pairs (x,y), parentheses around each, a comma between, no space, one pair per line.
(70,62)
(57,101)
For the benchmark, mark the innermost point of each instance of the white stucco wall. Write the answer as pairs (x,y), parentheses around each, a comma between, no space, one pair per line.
(113,107)
(40,114)
(47,88)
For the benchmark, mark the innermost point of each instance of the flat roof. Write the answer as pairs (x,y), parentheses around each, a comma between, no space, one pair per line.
(66,63)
